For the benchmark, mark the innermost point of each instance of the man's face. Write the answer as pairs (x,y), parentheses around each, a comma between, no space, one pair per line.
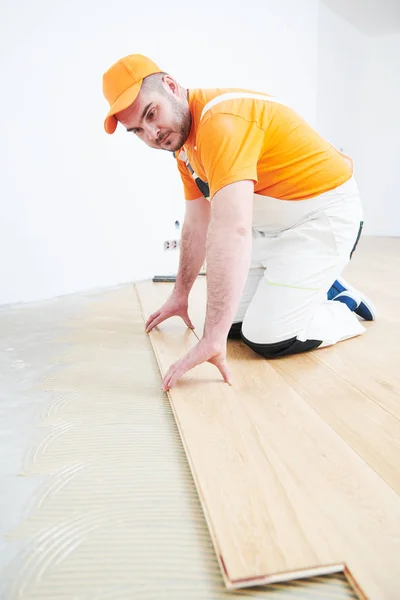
(159,117)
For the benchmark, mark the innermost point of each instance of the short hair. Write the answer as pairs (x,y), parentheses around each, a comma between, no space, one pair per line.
(153,82)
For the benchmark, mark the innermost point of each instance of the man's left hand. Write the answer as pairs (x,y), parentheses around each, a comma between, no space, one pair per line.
(204,351)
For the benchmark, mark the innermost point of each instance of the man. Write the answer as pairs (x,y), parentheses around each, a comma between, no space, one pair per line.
(281,222)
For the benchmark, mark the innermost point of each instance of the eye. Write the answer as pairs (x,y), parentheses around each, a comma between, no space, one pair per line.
(151,113)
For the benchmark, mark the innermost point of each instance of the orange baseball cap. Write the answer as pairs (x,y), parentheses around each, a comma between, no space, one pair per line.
(122,83)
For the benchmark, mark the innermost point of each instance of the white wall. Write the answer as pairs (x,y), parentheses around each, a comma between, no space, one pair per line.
(342,62)
(358,99)
(80,209)
(379,172)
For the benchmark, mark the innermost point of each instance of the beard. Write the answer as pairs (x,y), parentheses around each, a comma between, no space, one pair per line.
(181,125)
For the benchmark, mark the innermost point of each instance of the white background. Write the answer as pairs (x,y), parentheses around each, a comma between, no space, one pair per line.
(358,104)
(81,209)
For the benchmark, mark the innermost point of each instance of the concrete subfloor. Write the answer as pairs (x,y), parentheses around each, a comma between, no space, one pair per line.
(29,346)
(33,340)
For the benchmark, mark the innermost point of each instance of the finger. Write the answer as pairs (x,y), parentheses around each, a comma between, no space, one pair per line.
(188,362)
(188,321)
(167,378)
(176,375)
(222,366)
(166,384)
(156,322)
(169,372)
(178,369)
(151,318)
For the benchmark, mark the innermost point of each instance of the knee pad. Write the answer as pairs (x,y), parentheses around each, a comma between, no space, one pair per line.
(284,348)
(235,332)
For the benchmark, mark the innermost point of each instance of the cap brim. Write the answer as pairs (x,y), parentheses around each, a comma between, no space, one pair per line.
(124,100)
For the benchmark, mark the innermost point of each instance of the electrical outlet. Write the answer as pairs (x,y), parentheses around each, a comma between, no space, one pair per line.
(171,244)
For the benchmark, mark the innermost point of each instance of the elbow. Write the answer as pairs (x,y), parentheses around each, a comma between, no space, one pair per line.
(239,231)
(242,231)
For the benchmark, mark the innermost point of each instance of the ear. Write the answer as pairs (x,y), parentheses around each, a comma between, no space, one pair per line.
(171,85)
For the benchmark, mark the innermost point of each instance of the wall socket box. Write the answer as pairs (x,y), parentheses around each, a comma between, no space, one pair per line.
(172,244)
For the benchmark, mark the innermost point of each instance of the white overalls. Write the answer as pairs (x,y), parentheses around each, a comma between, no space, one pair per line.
(299,249)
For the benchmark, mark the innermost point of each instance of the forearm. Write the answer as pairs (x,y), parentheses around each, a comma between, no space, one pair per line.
(228,261)
(229,245)
(192,256)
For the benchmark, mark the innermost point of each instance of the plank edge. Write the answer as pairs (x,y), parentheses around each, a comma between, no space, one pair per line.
(203,504)
(354,584)
(287,576)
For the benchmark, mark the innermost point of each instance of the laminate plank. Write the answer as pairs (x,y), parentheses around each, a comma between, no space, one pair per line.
(371,362)
(283,494)
(372,431)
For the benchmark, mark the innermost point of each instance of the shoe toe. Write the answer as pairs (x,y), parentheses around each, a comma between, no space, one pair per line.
(365,312)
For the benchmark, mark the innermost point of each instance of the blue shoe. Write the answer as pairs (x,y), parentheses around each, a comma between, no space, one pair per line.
(356,302)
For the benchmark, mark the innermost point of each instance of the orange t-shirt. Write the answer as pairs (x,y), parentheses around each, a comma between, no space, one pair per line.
(267,142)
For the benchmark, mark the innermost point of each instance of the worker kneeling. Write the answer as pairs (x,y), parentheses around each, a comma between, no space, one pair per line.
(270,203)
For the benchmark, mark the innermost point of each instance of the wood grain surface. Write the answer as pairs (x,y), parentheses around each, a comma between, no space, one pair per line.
(289,487)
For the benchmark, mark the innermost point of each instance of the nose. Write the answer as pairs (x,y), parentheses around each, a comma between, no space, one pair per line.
(152,131)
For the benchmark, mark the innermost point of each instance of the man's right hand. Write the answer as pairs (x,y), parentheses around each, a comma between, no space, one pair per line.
(175,306)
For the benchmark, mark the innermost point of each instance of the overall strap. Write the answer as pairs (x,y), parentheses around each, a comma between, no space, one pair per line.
(238,96)
(202,185)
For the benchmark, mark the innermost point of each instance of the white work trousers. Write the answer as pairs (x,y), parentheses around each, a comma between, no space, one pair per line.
(299,249)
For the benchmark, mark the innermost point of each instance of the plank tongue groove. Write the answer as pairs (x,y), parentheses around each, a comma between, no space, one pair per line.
(283,494)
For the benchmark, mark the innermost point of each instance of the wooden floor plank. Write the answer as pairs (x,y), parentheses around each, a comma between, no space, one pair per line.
(368,428)
(355,386)
(283,494)
(371,362)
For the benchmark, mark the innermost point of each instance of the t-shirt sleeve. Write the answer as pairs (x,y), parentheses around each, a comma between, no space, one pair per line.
(229,148)
(191,190)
